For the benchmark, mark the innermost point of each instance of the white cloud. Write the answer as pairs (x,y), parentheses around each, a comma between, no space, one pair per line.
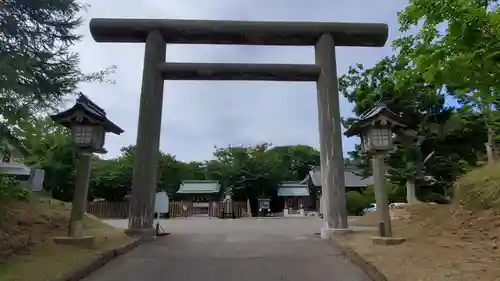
(199,115)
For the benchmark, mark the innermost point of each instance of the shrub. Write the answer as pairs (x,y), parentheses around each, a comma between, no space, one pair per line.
(11,188)
(356,202)
(396,193)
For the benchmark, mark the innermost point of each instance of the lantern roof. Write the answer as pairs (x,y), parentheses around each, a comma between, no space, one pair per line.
(366,118)
(83,103)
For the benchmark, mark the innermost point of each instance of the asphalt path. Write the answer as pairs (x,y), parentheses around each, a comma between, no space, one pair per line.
(240,250)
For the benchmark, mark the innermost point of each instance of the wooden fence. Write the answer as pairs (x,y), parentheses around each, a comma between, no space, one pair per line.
(118,210)
(111,210)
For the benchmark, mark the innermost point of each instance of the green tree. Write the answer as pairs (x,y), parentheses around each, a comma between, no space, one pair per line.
(37,67)
(173,172)
(109,179)
(253,168)
(457,47)
(394,81)
(295,160)
(51,149)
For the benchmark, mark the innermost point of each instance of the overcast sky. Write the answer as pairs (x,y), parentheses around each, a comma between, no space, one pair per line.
(199,115)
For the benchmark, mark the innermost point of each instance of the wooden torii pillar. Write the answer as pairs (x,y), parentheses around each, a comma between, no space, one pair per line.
(156,33)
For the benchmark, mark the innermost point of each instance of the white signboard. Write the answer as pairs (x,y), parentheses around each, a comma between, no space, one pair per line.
(36,180)
(200,204)
(161,203)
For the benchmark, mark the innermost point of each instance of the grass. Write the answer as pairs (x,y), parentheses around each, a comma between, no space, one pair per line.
(27,251)
(480,189)
(455,242)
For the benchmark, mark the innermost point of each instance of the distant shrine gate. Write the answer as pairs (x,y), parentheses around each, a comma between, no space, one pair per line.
(156,33)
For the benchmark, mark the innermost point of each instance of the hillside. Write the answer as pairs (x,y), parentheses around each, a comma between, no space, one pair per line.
(445,242)
(27,251)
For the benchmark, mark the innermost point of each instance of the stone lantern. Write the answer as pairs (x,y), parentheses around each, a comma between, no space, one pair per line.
(375,127)
(88,124)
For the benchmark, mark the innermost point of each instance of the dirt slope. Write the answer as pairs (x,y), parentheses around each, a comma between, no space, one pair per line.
(27,252)
(445,242)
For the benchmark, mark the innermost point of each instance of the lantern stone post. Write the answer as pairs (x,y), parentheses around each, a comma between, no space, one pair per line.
(80,194)
(88,125)
(375,128)
(381,196)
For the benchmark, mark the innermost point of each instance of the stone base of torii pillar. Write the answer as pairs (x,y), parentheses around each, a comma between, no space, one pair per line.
(327,232)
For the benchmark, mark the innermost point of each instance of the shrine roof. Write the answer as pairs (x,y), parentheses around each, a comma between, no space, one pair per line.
(199,187)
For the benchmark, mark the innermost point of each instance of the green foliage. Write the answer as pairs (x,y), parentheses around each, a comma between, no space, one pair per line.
(396,193)
(356,202)
(453,55)
(255,170)
(37,66)
(463,58)
(395,81)
(11,189)
(111,179)
(51,149)
(38,69)
(479,189)
(295,160)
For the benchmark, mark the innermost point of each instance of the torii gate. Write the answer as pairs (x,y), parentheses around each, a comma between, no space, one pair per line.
(156,33)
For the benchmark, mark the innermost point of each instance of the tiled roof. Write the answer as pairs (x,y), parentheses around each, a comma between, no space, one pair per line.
(293,189)
(85,104)
(379,109)
(351,179)
(199,187)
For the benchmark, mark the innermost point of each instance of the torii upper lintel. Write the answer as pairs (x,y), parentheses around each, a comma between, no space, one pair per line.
(239,32)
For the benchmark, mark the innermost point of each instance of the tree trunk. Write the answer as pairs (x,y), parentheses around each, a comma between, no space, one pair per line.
(489,147)
(486,110)
(414,169)
(411,196)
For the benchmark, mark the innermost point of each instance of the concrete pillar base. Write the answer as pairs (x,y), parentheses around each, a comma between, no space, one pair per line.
(146,234)
(326,233)
(387,241)
(83,241)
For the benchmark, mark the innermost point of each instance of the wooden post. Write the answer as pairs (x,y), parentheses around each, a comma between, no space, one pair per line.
(80,195)
(249,209)
(148,138)
(330,134)
(381,195)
